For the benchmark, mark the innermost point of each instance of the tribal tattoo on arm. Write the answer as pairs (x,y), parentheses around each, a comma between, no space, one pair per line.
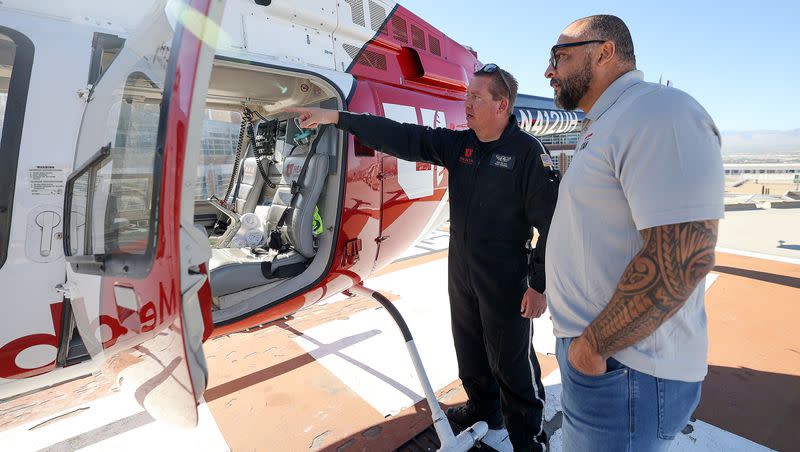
(657,282)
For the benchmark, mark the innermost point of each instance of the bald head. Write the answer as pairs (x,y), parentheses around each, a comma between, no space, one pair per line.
(606,28)
(590,55)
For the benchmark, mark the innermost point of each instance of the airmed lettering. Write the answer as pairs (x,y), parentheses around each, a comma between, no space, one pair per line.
(166,302)
(148,318)
(117,330)
(10,351)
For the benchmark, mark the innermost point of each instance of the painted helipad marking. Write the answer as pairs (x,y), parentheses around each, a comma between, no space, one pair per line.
(706,437)
(710,279)
(498,440)
(769,257)
(115,423)
(435,241)
(379,369)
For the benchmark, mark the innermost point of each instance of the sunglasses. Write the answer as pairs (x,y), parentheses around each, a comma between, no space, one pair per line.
(491,68)
(554,57)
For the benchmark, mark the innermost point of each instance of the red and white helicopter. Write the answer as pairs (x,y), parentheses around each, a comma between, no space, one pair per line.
(144,160)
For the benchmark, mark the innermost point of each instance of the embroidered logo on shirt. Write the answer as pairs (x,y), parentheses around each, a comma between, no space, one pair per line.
(466,159)
(585,142)
(503,161)
(547,162)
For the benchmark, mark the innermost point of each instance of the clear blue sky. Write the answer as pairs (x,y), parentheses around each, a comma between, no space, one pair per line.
(740,60)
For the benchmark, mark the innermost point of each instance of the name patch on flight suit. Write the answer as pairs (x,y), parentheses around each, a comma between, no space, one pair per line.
(503,161)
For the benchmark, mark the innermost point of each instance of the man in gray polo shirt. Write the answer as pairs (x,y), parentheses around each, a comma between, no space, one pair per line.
(631,242)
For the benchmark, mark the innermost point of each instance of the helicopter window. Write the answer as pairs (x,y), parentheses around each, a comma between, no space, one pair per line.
(217,152)
(118,190)
(112,199)
(105,48)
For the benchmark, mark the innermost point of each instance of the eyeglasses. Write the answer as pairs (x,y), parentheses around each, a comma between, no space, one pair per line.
(554,57)
(491,68)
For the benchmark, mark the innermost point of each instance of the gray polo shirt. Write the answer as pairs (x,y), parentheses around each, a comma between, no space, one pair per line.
(649,155)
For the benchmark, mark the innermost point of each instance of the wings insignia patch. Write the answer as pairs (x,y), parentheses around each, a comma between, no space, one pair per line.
(503,161)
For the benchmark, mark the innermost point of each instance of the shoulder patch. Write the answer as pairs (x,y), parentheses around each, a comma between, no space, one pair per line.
(547,162)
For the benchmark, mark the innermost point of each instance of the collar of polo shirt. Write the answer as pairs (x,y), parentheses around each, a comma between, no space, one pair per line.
(612,93)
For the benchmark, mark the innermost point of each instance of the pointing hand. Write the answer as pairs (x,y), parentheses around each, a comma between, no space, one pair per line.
(313,117)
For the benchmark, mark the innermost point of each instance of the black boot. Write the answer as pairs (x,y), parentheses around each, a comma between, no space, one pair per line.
(466,415)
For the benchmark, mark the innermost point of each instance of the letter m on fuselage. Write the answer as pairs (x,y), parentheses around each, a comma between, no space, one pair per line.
(167,303)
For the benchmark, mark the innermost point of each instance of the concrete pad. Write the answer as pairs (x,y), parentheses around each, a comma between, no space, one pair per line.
(770,231)
(116,423)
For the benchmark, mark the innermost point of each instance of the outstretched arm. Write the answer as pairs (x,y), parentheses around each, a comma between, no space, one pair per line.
(406,141)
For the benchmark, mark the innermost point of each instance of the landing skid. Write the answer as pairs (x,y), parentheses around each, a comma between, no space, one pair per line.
(493,441)
(448,442)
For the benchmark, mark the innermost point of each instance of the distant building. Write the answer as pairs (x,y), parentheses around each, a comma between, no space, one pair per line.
(560,140)
(561,148)
(763,171)
(564,159)
(561,158)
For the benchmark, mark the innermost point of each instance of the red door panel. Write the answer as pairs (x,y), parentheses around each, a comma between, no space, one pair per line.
(125,269)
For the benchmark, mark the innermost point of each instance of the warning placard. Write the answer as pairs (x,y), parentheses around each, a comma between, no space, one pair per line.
(47,180)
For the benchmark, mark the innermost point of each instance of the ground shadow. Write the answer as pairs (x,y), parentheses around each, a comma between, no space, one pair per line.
(763,407)
(783,245)
(335,348)
(773,278)
(412,431)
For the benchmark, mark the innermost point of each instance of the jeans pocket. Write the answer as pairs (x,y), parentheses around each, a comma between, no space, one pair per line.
(676,402)
(615,369)
(595,407)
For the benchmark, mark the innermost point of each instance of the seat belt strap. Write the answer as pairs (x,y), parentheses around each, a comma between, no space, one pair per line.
(275,236)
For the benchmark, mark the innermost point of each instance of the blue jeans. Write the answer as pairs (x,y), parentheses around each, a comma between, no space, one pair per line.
(623,409)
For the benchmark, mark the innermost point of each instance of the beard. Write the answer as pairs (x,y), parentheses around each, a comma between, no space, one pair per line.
(573,87)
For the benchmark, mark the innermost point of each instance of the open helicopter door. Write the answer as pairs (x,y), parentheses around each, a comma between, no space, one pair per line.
(133,256)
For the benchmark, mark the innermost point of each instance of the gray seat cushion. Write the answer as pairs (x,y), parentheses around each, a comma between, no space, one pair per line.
(236,269)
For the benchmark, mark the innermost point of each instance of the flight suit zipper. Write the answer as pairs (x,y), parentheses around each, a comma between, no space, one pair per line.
(475,178)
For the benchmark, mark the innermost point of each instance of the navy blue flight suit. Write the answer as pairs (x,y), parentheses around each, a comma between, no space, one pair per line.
(498,191)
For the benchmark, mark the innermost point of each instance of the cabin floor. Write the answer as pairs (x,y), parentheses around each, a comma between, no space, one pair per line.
(336,376)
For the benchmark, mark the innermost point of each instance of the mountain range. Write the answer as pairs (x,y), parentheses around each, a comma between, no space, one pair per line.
(761,142)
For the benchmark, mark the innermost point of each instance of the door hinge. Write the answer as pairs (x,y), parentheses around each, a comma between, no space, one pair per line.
(66,289)
(85,95)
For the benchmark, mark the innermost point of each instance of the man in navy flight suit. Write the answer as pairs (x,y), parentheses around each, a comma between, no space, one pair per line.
(501,185)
